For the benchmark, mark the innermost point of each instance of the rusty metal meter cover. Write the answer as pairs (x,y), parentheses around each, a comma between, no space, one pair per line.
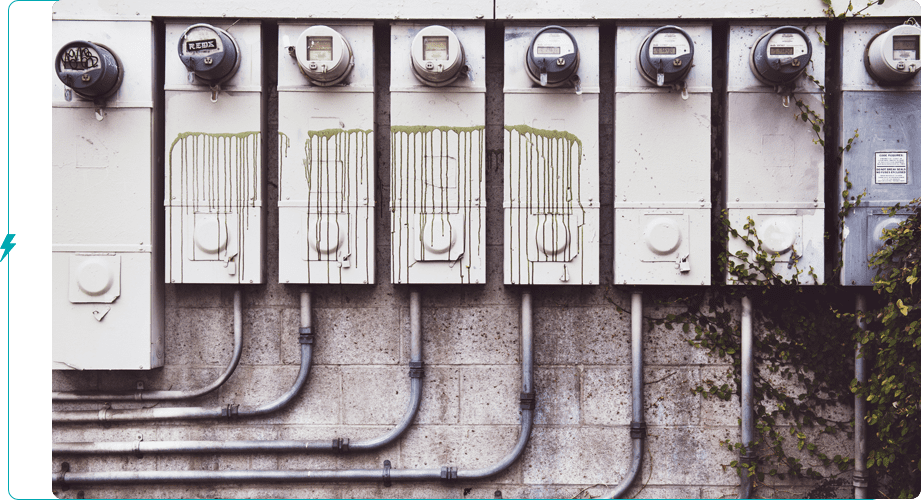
(437,56)
(92,70)
(553,57)
(665,55)
(210,53)
(323,55)
(781,55)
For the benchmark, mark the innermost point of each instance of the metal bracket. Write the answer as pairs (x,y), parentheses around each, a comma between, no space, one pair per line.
(637,430)
(306,335)
(341,445)
(448,474)
(528,400)
(387,482)
(861,479)
(415,369)
(137,446)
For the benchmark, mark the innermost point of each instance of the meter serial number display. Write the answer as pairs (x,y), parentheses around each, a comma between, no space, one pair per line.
(781,51)
(434,48)
(664,51)
(319,48)
(905,47)
(195,46)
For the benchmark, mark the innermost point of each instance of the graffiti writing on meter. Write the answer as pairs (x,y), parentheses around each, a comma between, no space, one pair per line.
(197,45)
(79,58)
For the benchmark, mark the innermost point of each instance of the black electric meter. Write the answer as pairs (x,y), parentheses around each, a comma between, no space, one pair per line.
(210,53)
(665,56)
(781,55)
(553,57)
(90,69)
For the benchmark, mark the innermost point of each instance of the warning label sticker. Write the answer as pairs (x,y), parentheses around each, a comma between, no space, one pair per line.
(892,167)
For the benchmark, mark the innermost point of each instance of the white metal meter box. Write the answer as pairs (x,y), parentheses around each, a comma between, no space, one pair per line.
(881,100)
(107,292)
(326,153)
(662,154)
(437,160)
(774,165)
(550,198)
(214,155)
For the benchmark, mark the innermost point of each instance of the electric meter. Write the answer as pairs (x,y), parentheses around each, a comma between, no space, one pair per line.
(781,55)
(437,55)
(553,57)
(323,55)
(665,55)
(90,69)
(210,53)
(894,56)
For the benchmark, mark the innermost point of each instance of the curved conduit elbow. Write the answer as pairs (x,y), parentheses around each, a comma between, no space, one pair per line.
(174,395)
(386,474)
(638,425)
(338,444)
(228,411)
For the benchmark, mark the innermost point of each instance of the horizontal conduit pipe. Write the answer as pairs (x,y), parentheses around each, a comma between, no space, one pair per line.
(385,474)
(174,395)
(188,413)
(638,425)
(162,447)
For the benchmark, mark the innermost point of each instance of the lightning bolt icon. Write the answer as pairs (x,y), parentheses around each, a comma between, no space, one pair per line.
(7,246)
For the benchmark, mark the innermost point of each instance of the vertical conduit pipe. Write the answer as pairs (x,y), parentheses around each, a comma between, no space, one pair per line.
(861,477)
(638,424)
(748,400)
(174,395)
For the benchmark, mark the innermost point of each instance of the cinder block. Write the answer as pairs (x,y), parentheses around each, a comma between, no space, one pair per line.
(319,402)
(254,386)
(490,395)
(463,446)
(402,490)
(470,335)
(74,380)
(199,336)
(690,455)
(348,336)
(662,346)
(577,455)
(713,410)
(440,396)
(374,395)
(558,396)
(197,295)
(607,395)
(589,335)
(638,491)
(727,492)
(262,328)
(668,396)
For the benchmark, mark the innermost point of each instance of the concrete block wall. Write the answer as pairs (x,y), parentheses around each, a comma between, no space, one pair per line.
(469,417)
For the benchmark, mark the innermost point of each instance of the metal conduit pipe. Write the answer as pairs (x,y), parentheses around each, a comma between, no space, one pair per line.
(748,398)
(638,424)
(336,444)
(861,476)
(305,338)
(174,395)
(385,474)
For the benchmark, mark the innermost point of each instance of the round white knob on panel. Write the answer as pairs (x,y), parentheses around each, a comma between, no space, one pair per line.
(94,277)
(326,236)
(210,236)
(552,237)
(437,236)
(777,235)
(662,235)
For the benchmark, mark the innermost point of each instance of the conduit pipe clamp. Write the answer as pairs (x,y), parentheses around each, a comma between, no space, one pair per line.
(637,430)
(306,335)
(448,474)
(861,479)
(341,445)
(415,369)
(387,482)
(528,400)
(137,447)
(230,411)
(65,468)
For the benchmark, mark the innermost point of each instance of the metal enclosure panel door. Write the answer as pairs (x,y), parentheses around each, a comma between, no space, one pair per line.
(437,170)
(773,165)
(662,246)
(107,293)
(214,163)
(789,235)
(326,166)
(551,193)
(884,161)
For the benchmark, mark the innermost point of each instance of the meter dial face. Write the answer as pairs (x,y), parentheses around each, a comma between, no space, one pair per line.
(665,56)
(323,55)
(90,69)
(437,56)
(781,55)
(553,57)
(905,47)
(209,52)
